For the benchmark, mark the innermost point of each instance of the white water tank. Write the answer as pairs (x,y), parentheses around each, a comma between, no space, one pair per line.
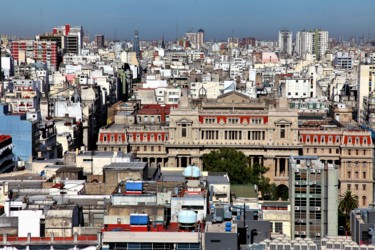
(187,217)
(192,172)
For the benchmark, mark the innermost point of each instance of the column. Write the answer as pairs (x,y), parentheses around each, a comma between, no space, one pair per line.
(179,161)
(286,167)
(278,164)
(148,162)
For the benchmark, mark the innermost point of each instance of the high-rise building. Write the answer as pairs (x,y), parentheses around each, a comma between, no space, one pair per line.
(40,51)
(320,43)
(303,43)
(285,42)
(312,42)
(313,189)
(73,38)
(136,47)
(99,41)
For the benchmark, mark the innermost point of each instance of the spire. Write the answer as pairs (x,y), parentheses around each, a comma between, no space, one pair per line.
(162,42)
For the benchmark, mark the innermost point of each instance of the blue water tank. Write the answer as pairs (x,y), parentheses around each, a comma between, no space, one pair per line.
(228,229)
(187,217)
(138,219)
(134,186)
(228,224)
(192,171)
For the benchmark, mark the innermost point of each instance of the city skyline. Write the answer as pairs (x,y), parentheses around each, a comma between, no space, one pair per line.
(240,18)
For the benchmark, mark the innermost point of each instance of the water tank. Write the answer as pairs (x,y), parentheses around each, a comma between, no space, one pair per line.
(138,219)
(187,217)
(192,172)
(134,186)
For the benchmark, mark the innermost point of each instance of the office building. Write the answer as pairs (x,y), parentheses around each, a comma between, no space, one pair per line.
(313,194)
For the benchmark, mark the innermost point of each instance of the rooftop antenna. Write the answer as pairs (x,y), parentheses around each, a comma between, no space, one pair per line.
(41,20)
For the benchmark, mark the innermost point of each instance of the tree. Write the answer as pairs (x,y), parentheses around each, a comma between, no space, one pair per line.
(348,202)
(228,160)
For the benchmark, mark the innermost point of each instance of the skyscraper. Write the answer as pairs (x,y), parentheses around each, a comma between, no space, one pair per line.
(136,47)
(285,42)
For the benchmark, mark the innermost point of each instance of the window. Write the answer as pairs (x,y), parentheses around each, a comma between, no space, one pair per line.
(356,186)
(119,138)
(349,186)
(105,138)
(183,130)
(363,187)
(282,131)
(357,152)
(330,151)
(337,151)
(363,200)
(356,175)
(349,152)
(278,227)
(145,148)
(315,139)
(152,148)
(364,175)
(159,148)
(315,150)
(364,164)
(349,174)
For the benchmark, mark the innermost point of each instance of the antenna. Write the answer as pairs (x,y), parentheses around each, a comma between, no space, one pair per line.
(41,20)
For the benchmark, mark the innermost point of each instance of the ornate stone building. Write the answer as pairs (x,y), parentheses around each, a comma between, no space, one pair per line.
(266,130)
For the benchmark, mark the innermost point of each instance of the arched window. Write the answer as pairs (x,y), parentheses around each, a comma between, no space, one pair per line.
(363,200)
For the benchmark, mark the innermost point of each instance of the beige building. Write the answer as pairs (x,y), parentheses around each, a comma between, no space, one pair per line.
(266,130)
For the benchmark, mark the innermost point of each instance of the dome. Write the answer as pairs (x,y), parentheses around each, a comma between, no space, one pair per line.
(201,30)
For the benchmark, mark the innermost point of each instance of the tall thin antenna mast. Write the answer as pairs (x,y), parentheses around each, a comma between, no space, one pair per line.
(41,20)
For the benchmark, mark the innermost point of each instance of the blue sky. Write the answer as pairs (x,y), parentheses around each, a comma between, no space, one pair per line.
(220,19)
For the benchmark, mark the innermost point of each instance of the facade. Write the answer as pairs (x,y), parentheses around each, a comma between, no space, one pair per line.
(24,133)
(313,192)
(366,88)
(285,42)
(6,154)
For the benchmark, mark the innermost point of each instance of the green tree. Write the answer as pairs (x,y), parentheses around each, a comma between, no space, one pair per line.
(228,160)
(348,202)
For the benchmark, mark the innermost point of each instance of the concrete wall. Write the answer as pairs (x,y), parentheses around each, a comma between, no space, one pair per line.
(220,241)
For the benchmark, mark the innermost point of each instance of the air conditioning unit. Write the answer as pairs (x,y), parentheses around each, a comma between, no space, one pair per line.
(303,233)
(317,208)
(313,183)
(297,183)
(312,170)
(296,170)
(296,233)
(319,171)
(317,234)
(296,208)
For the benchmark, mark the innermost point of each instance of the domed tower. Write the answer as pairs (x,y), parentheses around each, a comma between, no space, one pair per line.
(200,38)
